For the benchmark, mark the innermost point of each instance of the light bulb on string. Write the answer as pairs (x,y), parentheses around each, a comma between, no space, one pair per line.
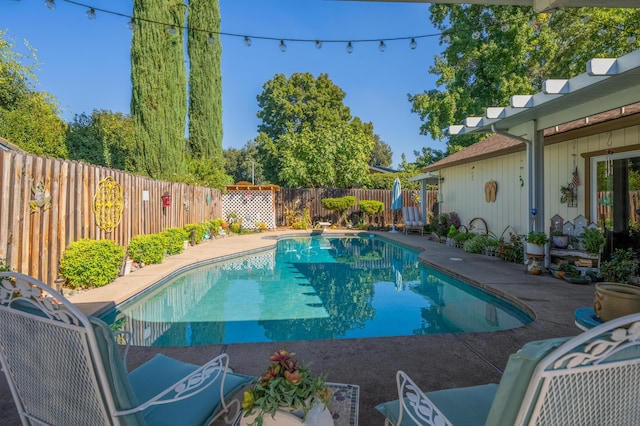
(51,4)
(446,39)
(211,40)
(318,44)
(91,14)
(132,25)
(413,44)
(349,48)
(247,41)
(172,30)
(283,46)
(382,47)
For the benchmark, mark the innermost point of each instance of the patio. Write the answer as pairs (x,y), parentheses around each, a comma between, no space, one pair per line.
(433,361)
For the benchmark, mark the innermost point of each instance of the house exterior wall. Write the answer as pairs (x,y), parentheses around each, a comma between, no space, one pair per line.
(463,185)
(463,192)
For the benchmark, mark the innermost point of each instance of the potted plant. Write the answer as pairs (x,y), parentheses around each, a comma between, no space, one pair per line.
(592,240)
(560,239)
(535,242)
(615,297)
(287,391)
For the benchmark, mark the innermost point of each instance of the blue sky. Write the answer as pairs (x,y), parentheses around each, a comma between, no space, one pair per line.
(85,64)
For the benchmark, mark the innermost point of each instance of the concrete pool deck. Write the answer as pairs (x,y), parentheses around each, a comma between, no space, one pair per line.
(433,361)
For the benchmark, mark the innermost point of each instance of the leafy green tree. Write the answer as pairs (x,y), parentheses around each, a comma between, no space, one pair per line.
(205,80)
(103,138)
(205,172)
(381,154)
(28,118)
(308,136)
(238,165)
(494,52)
(159,94)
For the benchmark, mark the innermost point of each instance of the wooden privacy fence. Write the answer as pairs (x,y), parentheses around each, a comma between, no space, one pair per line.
(32,240)
(605,209)
(299,198)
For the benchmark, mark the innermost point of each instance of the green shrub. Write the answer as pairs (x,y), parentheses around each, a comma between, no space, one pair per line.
(476,244)
(303,221)
(148,249)
(621,268)
(339,205)
(4,266)
(175,238)
(196,232)
(91,263)
(215,226)
(463,236)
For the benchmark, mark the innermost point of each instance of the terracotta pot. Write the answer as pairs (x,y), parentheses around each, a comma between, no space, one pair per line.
(613,300)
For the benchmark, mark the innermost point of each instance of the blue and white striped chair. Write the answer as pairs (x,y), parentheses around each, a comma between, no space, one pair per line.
(65,369)
(590,379)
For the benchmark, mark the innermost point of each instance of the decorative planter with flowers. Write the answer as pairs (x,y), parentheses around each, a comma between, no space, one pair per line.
(287,394)
(535,243)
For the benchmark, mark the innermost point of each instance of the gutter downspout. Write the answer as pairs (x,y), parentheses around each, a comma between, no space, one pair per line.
(535,173)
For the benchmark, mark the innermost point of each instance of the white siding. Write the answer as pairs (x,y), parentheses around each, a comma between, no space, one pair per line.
(463,186)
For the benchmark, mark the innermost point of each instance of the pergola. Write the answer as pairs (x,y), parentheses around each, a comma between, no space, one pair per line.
(607,84)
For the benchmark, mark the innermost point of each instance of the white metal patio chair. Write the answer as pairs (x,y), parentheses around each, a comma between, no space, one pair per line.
(590,379)
(65,369)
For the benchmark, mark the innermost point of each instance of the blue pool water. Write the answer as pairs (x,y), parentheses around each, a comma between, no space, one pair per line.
(311,288)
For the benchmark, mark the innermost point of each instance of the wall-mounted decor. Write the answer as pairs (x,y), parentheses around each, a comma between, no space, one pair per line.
(490,191)
(40,200)
(108,204)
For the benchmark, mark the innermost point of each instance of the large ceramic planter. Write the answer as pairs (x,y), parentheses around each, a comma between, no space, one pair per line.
(560,241)
(535,249)
(318,415)
(613,300)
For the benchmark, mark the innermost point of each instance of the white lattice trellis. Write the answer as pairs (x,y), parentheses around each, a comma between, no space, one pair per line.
(252,207)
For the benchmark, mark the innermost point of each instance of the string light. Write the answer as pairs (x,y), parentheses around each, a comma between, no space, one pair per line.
(349,48)
(212,39)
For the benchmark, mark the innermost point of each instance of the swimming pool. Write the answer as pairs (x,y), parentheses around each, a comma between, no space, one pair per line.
(319,287)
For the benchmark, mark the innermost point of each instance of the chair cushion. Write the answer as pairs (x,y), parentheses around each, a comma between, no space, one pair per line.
(118,381)
(515,380)
(161,372)
(462,406)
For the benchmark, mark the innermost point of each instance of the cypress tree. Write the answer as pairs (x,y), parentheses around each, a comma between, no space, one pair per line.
(159,96)
(205,82)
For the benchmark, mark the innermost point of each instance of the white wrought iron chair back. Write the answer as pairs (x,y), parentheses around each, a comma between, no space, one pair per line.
(591,379)
(594,378)
(47,350)
(65,369)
